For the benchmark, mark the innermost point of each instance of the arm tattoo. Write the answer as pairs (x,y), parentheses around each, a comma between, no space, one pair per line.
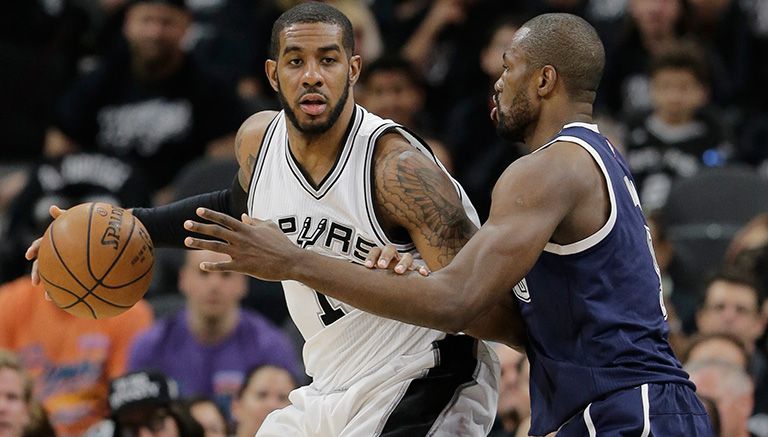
(414,193)
(246,167)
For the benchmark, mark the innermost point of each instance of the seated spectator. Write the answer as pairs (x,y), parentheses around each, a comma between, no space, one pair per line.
(208,415)
(514,413)
(649,26)
(731,306)
(682,132)
(65,181)
(209,346)
(264,390)
(732,391)
(70,359)
(714,415)
(143,402)
(717,347)
(479,155)
(392,88)
(15,396)
(152,105)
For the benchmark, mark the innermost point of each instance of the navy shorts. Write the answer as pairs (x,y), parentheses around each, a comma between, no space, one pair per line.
(657,410)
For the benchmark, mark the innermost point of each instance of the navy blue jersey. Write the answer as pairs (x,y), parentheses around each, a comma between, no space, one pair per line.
(594,311)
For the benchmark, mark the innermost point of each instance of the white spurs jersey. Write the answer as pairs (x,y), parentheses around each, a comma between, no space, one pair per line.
(337,219)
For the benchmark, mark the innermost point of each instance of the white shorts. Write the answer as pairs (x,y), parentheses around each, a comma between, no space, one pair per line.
(451,390)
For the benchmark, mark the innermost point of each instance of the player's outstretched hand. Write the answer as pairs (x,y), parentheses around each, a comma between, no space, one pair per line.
(389,257)
(256,247)
(33,248)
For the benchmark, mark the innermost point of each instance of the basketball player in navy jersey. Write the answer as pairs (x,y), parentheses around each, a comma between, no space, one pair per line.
(566,236)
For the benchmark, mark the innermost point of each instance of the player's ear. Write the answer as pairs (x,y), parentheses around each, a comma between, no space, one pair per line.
(355,66)
(270,67)
(547,80)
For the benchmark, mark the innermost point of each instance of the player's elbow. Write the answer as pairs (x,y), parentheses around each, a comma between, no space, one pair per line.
(455,315)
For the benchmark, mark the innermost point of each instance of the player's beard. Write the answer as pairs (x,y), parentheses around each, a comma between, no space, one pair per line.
(512,124)
(313,129)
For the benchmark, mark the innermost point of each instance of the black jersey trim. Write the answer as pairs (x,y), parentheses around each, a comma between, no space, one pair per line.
(320,190)
(428,397)
(378,231)
(261,158)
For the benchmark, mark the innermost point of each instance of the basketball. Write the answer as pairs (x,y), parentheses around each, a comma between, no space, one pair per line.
(95,260)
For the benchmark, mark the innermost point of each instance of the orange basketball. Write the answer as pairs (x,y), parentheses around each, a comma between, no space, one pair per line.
(95,260)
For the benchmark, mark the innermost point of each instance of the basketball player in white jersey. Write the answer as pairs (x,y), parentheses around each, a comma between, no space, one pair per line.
(340,181)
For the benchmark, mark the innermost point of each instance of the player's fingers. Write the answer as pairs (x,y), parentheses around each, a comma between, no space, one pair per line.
(32,250)
(405,263)
(55,211)
(221,266)
(211,230)
(373,256)
(215,246)
(35,276)
(217,217)
(47,297)
(388,253)
(424,271)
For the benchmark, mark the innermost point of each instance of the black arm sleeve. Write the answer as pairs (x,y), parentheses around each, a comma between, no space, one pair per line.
(165,224)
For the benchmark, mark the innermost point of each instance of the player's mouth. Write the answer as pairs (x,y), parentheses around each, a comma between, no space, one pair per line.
(313,104)
(495,109)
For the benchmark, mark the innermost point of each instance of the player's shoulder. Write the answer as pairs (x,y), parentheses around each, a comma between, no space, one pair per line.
(248,142)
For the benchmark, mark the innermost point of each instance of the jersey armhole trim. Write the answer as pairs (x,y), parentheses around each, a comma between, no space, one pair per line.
(258,166)
(597,237)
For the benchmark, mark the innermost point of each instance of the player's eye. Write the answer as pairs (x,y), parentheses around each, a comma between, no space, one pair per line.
(295,62)
(329,60)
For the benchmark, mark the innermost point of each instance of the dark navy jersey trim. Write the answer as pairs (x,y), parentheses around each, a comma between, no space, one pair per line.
(428,397)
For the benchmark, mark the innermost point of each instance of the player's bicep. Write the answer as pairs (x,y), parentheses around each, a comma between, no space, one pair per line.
(248,143)
(414,193)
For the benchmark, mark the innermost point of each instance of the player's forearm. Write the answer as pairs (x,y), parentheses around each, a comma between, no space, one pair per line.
(165,223)
(434,302)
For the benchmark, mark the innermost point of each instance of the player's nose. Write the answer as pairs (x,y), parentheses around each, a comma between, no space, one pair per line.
(312,76)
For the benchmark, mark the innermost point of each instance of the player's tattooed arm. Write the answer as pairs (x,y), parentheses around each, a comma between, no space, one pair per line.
(248,142)
(416,199)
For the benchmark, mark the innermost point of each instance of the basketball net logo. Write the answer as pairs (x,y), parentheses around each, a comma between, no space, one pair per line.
(521,291)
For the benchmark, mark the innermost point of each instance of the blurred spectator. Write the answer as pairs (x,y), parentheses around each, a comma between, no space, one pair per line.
(731,389)
(392,88)
(15,396)
(480,156)
(209,346)
(714,415)
(682,132)
(368,42)
(514,413)
(70,359)
(39,47)
(144,403)
(208,415)
(722,347)
(723,27)
(649,26)
(731,306)
(264,390)
(65,181)
(153,105)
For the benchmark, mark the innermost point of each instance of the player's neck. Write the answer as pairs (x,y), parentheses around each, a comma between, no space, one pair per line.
(552,121)
(212,330)
(317,153)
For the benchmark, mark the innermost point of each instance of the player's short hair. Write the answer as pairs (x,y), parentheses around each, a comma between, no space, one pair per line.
(312,12)
(9,360)
(683,55)
(570,45)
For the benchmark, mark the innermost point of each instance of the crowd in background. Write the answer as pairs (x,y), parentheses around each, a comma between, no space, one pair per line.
(137,103)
